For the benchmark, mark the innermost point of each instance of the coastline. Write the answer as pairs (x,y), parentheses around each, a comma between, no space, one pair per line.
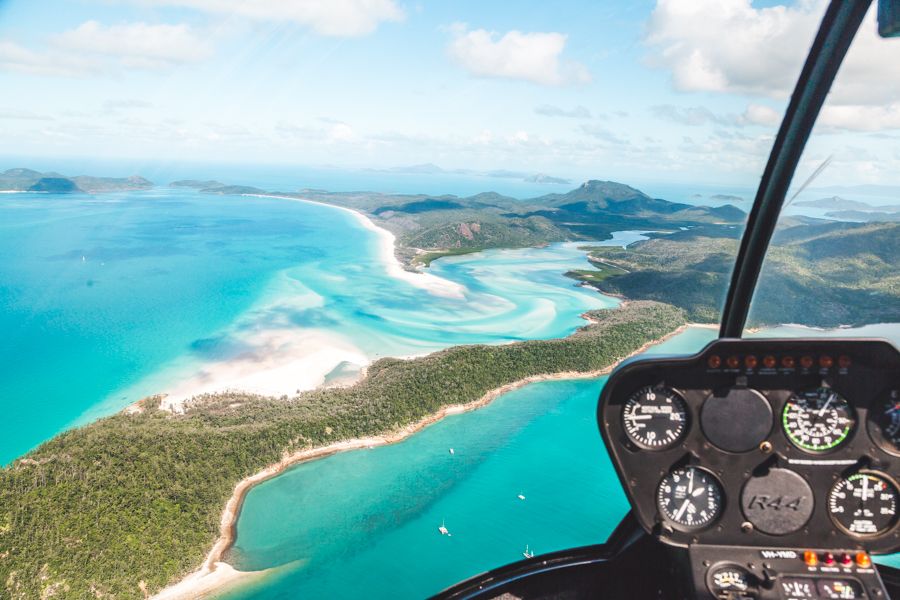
(282,352)
(215,573)
(427,281)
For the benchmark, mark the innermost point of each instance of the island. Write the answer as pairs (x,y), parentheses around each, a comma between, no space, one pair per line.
(428,227)
(29,180)
(134,502)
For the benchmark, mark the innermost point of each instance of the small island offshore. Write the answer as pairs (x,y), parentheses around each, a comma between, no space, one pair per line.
(137,501)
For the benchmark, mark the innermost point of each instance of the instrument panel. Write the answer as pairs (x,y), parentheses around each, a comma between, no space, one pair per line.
(761,443)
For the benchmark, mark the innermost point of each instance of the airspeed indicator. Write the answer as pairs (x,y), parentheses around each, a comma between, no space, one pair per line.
(655,418)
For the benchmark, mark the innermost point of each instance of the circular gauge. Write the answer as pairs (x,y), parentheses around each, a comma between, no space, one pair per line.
(817,420)
(864,504)
(655,418)
(884,422)
(690,498)
(726,581)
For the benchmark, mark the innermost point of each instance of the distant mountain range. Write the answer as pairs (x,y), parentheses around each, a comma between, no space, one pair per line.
(432,169)
(844,204)
(28,180)
(428,227)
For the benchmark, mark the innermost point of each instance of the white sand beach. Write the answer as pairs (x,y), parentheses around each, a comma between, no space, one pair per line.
(426,281)
(277,362)
(215,574)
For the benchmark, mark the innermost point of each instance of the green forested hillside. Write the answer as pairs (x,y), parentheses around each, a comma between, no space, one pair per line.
(133,501)
(822,274)
(431,226)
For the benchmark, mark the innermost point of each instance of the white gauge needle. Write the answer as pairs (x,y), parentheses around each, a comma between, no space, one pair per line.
(640,417)
(865,489)
(690,483)
(682,509)
(824,408)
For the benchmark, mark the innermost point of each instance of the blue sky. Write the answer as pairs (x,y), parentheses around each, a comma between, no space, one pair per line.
(674,90)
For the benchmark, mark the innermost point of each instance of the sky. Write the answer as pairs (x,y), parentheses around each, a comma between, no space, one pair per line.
(631,90)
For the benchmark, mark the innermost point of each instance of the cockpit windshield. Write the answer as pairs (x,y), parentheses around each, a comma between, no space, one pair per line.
(314,298)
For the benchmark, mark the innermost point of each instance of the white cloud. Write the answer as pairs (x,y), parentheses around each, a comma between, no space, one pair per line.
(755,114)
(93,48)
(730,46)
(137,45)
(758,114)
(604,135)
(342,18)
(533,57)
(548,110)
(690,115)
(22,115)
(17,58)
(341,132)
(860,118)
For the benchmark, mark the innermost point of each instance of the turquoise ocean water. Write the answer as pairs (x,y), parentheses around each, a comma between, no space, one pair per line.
(364,523)
(106,299)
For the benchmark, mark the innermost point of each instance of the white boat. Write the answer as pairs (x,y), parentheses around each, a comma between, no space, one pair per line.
(451,450)
(521,496)
(528,553)
(443,529)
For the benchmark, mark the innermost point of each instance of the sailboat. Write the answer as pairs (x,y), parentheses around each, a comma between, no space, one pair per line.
(443,528)
(528,553)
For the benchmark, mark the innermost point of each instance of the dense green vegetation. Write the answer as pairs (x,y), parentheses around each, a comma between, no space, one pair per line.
(133,501)
(428,227)
(816,273)
(28,180)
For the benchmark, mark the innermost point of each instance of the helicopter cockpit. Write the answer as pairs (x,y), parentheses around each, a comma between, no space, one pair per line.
(757,468)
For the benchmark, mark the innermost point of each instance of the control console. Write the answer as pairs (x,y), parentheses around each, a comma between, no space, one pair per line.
(773,464)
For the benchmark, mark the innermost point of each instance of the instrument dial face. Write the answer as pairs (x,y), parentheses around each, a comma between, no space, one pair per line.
(690,498)
(655,418)
(864,504)
(817,420)
(727,580)
(885,419)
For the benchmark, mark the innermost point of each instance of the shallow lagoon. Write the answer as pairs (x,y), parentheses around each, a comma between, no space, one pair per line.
(106,299)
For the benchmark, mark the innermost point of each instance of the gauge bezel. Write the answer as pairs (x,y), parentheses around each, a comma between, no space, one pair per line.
(864,536)
(664,518)
(679,397)
(752,582)
(851,431)
(874,428)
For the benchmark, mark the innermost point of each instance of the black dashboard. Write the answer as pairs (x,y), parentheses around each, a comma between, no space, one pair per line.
(775,463)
